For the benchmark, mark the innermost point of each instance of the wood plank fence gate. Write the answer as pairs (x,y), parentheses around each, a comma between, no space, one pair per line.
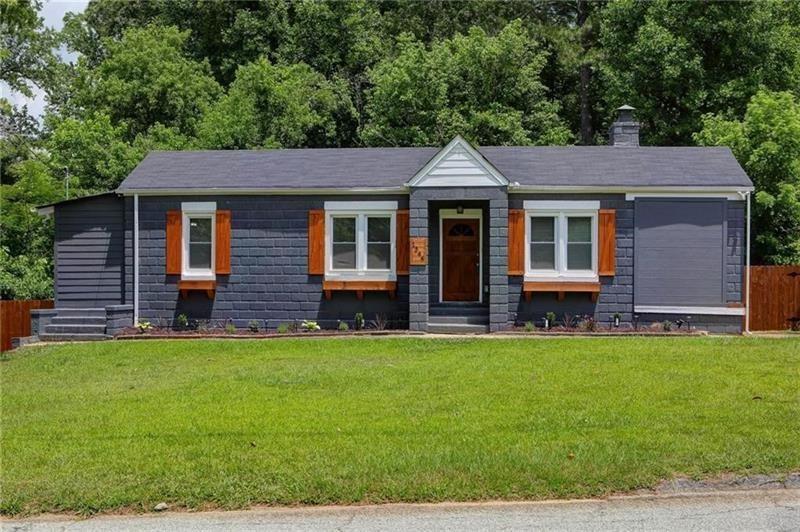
(15,319)
(774,298)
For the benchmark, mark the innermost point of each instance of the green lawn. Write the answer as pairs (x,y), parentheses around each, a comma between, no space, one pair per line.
(91,427)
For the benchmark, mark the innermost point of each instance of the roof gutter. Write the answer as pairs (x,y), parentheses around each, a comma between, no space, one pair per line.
(260,191)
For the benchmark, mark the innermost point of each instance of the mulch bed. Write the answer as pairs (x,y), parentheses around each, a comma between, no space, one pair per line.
(622,331)
(132,333)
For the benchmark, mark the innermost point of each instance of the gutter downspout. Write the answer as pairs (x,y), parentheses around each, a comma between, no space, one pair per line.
(135,260)
(747,272)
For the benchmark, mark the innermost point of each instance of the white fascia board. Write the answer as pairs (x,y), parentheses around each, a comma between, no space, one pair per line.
(553,189)
(691,311)
(561,205)
(46,211)
(733,196)
(360,206)
(458,141)
(261,191)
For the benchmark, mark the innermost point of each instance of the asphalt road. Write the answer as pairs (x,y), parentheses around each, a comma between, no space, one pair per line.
(777,509)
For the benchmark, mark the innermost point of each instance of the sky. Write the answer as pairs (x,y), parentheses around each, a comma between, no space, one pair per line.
(52,12)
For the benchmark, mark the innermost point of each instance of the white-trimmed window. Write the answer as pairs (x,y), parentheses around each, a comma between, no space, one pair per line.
(561,240)
(199,239)
(360,240)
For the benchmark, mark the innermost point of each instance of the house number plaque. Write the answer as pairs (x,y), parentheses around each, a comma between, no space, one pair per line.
(419,251)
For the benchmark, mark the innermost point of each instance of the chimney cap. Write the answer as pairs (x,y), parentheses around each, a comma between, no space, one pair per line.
(626,107)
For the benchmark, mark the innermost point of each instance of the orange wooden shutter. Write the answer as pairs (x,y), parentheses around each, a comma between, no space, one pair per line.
(316,242)
(223,244)
(174,238)
(607,247)
(516,242)
(402,242)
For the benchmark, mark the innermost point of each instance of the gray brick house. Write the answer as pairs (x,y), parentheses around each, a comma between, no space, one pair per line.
(458,238)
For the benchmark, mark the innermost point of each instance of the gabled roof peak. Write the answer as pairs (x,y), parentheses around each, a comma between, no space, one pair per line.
(458,164)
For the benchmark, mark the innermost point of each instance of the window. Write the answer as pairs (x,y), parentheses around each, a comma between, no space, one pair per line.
(360,240)
(198,240)
(562,240)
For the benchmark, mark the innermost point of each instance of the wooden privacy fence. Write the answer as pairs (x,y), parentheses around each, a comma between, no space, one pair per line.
(774,297)
(15,319)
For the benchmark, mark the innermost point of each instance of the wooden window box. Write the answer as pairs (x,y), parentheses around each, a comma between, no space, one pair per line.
(209,287)
(359,287)
(561,288)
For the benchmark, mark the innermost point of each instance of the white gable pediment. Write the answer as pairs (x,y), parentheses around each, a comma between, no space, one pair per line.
(458,165)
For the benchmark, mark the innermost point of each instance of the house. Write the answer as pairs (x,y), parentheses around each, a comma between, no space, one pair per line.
(456,238)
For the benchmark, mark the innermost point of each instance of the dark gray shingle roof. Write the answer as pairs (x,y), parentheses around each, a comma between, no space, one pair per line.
(349,168)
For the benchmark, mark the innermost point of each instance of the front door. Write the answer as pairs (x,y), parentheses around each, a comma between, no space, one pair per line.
(461,259)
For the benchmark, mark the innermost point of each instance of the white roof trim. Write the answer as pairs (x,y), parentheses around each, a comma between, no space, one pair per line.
(630,196)
(491,176)
(703,311)
(260,191)
(46,211)
(516,188)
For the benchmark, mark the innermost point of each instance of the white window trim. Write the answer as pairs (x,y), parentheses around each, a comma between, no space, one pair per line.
(561,210)
(470,214)
(361,210)
(205,209)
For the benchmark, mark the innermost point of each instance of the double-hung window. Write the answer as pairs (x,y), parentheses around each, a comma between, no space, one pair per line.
(360,240)
(198,240)
(561,240)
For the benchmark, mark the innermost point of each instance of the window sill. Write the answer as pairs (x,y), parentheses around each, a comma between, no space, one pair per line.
(359,287)
(207,286)
(561,288)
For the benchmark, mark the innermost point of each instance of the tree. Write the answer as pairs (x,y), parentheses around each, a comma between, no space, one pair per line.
(676,61)
(288,106)
(485,88)
(91,152)
(146,79)
(26,56)
(767,144)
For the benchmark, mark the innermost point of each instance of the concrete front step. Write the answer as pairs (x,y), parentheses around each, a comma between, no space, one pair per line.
(455,328)
(474,319)
(78,320)
(451,309)
(81,312)
(75,329)
(47,337)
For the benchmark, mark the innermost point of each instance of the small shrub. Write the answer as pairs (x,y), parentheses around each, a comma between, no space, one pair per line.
(343,327)
(310,326)
(252,326)
(283,328)
(358,321)
(570,321)
(182,321)
(230,328)
(617,318)
(528,327)
(380,322)
(588,324)
(666,326)
(551,319)
(144,326)
(202,326)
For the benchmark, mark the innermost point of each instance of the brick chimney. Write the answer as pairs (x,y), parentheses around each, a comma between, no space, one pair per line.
(625,130)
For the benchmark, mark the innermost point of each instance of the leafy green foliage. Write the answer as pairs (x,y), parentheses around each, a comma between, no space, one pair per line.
(147,79)
(675,61)
(485,88)
(277,106)
(767,144)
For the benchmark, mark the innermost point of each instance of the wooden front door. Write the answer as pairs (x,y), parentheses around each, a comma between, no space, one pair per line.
(461,257)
